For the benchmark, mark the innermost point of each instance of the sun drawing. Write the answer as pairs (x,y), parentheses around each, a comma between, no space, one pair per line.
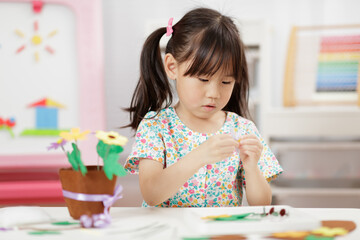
(36,40)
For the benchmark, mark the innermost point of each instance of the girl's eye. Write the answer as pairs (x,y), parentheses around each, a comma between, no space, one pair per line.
(226,82)
(203,80)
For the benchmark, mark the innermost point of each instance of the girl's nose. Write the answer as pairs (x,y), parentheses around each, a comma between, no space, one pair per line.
(213,91)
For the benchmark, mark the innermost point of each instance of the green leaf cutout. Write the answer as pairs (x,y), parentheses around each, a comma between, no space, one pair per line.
(104,149)
(110,156)
(75,160)
(101,149)
(112,166)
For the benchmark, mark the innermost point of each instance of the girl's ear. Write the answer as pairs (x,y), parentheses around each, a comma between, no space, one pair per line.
(171,66)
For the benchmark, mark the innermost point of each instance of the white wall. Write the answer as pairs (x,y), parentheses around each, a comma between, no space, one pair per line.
(126,25)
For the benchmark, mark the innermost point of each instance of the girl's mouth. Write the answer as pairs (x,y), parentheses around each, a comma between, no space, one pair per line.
(209,107)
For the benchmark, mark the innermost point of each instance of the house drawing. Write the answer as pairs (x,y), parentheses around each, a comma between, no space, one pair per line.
(46,113)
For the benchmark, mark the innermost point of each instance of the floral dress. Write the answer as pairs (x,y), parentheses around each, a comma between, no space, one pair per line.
(164,138)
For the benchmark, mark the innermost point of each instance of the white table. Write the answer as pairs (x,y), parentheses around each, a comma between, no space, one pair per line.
(168,223)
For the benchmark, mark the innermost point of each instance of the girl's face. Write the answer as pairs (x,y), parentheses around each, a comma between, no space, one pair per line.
(203,96)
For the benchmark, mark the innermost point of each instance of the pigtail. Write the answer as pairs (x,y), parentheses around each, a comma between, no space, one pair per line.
(153,88)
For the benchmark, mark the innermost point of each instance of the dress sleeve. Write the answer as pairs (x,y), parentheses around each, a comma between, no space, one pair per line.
(268,164)
(148,144)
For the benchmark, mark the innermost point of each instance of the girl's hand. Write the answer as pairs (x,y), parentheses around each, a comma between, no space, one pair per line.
(250,150)
(217,148)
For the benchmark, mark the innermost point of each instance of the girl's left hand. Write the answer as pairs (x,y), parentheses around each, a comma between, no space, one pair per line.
(250,150)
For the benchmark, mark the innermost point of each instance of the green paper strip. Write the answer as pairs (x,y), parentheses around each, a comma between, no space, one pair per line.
(234,217)
(41,132)
(43,232)
(313,237)
(65,223)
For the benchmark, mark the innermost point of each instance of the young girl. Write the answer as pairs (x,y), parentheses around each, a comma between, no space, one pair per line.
(189,154)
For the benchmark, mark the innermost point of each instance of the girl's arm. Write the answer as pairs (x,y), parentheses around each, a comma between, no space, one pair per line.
(258,191)
(157,184)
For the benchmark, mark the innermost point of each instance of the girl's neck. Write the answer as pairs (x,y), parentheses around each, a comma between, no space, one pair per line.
(201,125)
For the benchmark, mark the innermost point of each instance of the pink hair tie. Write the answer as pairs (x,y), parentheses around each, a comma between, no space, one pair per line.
(169,29)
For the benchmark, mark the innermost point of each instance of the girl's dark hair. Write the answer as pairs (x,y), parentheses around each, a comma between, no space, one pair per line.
(211,41)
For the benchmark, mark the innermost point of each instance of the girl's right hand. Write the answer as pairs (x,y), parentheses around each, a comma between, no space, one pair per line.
(217,148)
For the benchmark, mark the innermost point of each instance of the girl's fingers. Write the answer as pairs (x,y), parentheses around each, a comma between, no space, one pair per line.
(228,150)
(250,153)
(247,138)
(225,140)
(250,139)
(252,145)
(229,142)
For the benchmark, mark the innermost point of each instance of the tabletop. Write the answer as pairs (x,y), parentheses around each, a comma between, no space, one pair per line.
(184,223)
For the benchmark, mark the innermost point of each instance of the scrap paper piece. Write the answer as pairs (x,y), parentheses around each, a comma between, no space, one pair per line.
(65,223)
(234,217)
(237,137)
(348,225)
(314,237)
(44,232)
(330,232)
(252,216)
(216,216)
(290,234)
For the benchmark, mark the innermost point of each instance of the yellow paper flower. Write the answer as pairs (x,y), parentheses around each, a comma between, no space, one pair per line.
(111,138)
(216,216)
(74,134)
(330,232)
